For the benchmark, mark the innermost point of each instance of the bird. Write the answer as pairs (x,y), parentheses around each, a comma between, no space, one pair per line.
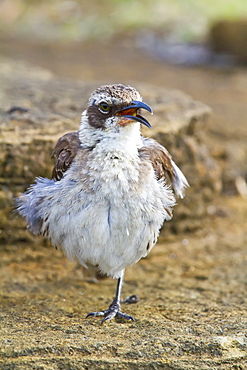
(110,191)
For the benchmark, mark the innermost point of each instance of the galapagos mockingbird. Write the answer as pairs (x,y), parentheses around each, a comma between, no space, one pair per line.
(108,196)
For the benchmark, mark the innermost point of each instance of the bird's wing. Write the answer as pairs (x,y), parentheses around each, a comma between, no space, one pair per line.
(163,165)
(64,152)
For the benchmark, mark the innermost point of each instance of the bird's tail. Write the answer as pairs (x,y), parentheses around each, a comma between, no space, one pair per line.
(29,205)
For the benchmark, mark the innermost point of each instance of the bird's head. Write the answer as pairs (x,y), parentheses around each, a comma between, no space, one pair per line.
(112,107)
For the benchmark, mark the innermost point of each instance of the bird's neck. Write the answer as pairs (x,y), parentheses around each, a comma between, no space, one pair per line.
(121,139)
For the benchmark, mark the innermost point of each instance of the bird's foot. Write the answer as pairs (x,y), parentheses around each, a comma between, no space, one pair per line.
(132,299)
(113,311)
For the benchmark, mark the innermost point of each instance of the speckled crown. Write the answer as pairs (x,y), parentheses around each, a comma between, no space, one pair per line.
(116,91)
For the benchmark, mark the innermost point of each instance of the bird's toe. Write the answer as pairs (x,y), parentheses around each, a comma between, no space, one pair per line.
(96,313)
(124,316)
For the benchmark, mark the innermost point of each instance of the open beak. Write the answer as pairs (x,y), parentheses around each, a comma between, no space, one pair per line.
(131,112)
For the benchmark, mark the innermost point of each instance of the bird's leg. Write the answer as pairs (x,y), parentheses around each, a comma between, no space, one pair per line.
(114,308)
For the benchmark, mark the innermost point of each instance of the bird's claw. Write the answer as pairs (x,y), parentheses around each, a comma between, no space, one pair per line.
(108,315)
(113,311)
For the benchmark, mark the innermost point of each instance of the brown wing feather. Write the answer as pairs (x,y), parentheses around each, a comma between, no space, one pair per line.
(64,152)
(159,157)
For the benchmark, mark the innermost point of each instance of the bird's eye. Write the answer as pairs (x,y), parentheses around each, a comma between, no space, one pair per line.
(104,107)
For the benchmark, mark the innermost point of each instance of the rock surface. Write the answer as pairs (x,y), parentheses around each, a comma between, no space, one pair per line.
(36,109)
(230,37)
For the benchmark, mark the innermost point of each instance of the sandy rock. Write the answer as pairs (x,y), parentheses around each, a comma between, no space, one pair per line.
(36,109)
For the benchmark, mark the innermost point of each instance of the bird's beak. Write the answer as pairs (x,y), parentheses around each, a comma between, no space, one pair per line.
(130,112)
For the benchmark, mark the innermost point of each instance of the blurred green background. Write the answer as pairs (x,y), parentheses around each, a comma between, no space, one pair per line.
(85,20)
